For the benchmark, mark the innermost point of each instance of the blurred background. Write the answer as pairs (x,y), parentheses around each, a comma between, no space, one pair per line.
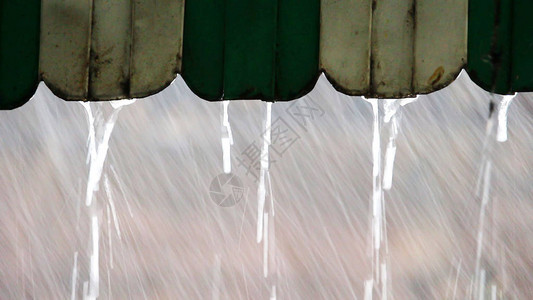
(169,239)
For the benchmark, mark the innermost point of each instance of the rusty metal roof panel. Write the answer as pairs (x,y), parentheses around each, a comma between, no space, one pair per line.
(395,48)
(105,50)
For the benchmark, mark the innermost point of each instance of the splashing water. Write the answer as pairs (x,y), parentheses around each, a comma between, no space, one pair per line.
(215,291)
(391,108)
(265,210)
(98,148)
(483,187)
(264,174)
(74,277)
(226,138)
(386,117)
(483,192)
(100,130)
(503,110)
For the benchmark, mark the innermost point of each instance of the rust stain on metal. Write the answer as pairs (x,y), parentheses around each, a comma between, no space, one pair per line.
(436,76)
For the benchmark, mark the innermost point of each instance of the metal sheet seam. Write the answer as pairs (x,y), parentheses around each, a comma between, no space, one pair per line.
(370,52)
(89,52)
(274,48)
(223,51)
(130,62)
(509,46)
(413,45)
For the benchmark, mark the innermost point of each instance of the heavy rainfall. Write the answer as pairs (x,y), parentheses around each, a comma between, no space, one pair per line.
(324,197)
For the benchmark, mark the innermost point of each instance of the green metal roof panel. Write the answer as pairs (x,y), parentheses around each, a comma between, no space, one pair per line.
(298,36)
(257,49)
(19,51)
(500,45)
(249,49)
(522,47)
(203,48)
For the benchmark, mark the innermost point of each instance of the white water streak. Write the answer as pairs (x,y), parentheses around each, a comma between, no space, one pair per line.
(74,278)
(97,154)
(377,192)
(392,108)
(94,275)
(112,205)
(85,289)
(369,286)
(265,214)
(109,237)
(485,156)
(456,279)
(384,281)
(273,295)
(482,280)
(226,138)
(503,111)
(265,246)
(98,146)
(261,190)
(479,249)
(386,117)
(493,292)
(483,186)
(121,188)
(217,280)
(272,265)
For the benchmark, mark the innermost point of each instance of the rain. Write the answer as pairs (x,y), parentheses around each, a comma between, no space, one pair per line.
(324,197)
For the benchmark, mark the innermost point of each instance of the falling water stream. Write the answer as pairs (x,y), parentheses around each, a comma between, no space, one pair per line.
(100,130)
(226,137)
(386,123)
(484,286)
(386,127)
(175,251)
(265,209)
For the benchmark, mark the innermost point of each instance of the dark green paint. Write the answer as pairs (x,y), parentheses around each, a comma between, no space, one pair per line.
(250,40)
(203,47)
(19,51)
(254,49)
(298,45)
(522,47)
(500,43)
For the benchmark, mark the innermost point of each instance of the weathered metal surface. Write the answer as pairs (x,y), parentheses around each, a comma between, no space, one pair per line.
(251,50)
(259,49)
(415,46)
(109,71)
(392,48)
(65,45)
(110,49)
(156,48)
(500,45)
(345,43)
(440,44)
(19,51)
